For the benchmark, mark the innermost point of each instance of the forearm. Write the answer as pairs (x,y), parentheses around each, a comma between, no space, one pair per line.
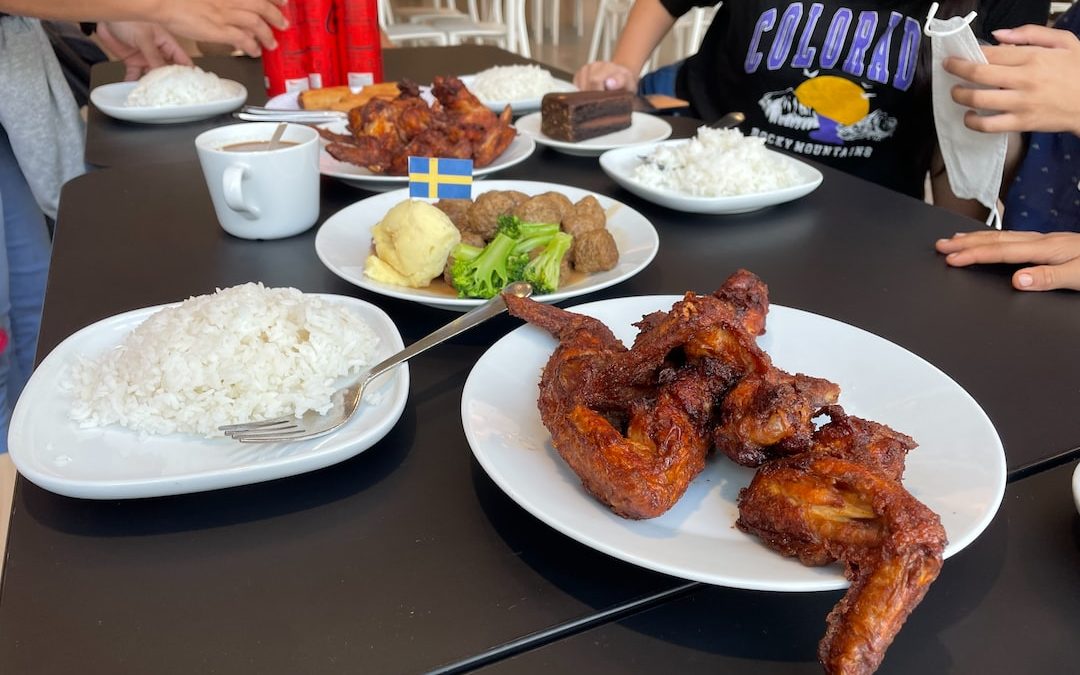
(81,10)
(646,25)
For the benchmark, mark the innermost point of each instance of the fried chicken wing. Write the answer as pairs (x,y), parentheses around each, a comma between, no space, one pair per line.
(820,509)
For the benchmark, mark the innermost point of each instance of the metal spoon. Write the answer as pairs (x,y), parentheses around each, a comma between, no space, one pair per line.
(732,119)
(276,138)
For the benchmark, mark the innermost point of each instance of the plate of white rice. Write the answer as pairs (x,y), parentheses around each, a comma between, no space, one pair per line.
(719,171)
(169,95)
(129,406)
(520,87)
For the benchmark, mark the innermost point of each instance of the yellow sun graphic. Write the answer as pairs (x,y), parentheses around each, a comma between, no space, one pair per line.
(834,97)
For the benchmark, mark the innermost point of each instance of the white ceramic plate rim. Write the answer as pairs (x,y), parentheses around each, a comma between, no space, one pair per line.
(43,438)
(355,222)
(518,151)
(109,98)
(620,163)
(1076,486)
(697,539)
(649,129)
(519,105)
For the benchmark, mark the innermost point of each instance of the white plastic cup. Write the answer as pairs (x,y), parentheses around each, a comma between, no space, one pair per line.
(262,194)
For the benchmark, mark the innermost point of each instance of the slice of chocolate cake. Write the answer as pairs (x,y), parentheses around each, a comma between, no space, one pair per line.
(580,115)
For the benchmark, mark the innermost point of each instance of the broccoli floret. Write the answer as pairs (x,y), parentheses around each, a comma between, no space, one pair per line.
(535,235)
(542,272)
(484,275)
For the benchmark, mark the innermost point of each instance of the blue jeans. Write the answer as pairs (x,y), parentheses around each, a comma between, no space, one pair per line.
(660,81)
(24,267)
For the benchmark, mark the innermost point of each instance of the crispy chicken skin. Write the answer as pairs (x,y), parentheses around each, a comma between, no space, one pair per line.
(821,508)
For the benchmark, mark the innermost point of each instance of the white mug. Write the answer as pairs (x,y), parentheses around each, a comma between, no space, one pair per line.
(259,193)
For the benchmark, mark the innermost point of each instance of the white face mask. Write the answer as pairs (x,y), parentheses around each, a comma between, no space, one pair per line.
(974,160)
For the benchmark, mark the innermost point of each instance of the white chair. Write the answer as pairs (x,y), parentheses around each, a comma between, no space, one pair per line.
(689,30)
(506,27)
(610,19)
(400,33)
(538,19)
(436,11)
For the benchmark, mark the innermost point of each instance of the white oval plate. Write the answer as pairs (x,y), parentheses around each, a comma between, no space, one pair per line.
(344,242)
(112,462)
(958,470)
(620,164)
(518,151)
(109,98)
(644,128)
(518,106)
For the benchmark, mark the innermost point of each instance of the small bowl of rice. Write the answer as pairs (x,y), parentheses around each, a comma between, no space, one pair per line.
(520,87)
(718,171)
(170,94)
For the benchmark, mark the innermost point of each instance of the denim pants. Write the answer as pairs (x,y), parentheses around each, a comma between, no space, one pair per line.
(660,81)
(24,267)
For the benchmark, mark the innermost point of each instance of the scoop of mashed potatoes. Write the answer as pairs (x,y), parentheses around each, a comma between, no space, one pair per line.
(412,243)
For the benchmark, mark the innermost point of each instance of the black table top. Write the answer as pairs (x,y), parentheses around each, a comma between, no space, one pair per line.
(408,558)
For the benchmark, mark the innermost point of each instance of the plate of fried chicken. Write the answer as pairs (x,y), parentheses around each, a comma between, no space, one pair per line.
(678,434)
(370,149)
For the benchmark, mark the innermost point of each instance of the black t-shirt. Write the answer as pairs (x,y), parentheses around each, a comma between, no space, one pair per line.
(844,83)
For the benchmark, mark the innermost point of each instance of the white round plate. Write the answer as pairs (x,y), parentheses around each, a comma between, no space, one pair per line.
(620,164)
(113,462)
(109,99)
(518,106)
(518,151)
(644,128)
(343,243)
(958,470)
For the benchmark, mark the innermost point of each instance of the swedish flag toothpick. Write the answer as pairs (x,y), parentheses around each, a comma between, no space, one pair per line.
(440,178)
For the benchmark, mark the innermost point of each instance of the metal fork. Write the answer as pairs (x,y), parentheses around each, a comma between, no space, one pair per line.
(345,401)
(252,113)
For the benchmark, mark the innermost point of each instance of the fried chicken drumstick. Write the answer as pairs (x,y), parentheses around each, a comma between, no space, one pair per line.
(636,425)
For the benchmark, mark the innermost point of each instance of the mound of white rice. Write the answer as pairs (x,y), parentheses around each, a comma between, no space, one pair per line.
(716,163)
(177,85)
(512,83)
(240,354)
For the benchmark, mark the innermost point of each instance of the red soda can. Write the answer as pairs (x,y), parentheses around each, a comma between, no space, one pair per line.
(360,46)
(319,26)
(284,69)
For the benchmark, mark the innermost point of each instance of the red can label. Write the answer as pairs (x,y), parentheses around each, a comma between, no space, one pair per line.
(360,47)
(284,68)
(319,26)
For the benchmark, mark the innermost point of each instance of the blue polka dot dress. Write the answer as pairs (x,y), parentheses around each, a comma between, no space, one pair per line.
(1045,196)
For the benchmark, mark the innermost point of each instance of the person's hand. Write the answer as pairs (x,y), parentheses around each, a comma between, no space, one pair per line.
(245,24)
(141,46)
(1033,75)
(1056,255)
(601,75)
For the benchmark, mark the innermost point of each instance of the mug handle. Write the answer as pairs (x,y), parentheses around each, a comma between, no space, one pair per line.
(231,182)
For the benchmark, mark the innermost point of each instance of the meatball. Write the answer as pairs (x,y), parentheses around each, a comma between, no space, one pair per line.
(565,205)
(517,195)
(595,251)
(586,215)
(483,216)
(540,209)
(456,210)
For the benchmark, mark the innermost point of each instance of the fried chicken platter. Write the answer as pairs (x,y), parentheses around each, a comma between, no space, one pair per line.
(638,424)
(383,133)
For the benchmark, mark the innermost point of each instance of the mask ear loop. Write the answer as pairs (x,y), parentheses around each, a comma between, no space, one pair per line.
(942,32)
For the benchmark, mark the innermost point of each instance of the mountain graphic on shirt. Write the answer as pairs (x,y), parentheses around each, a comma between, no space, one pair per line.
(833,109)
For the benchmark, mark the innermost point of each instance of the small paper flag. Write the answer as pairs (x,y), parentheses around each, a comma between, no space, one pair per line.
(440,178)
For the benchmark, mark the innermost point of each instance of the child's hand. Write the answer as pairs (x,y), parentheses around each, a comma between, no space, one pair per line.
(1056,255)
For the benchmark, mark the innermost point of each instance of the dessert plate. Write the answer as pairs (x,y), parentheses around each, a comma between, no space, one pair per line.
(643,128)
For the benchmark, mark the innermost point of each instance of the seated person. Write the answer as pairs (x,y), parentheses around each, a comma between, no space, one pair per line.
(850,89)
